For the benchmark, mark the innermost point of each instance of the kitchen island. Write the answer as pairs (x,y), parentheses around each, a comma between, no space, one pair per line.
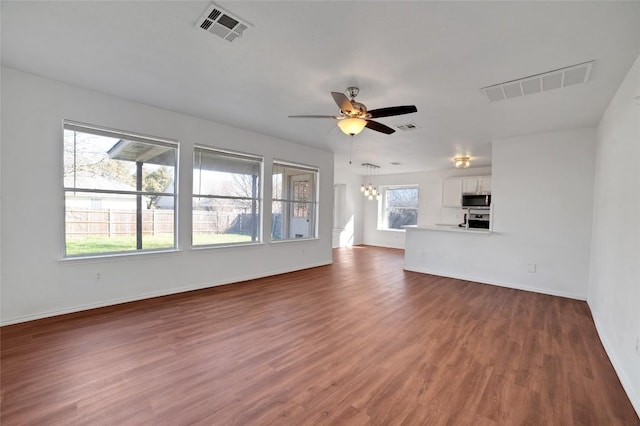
(450,251)
(501,258)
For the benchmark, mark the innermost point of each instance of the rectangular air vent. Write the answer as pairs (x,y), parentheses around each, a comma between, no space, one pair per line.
(543,82)
(217,21)
(407,127)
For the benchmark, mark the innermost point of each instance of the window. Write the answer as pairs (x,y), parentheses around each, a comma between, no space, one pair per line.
(294,206)
(226,197)
(119,191)
(399,207)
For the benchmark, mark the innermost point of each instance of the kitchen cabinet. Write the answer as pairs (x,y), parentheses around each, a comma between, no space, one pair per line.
(476,185)
(453,188)
(484,185)
(452,192)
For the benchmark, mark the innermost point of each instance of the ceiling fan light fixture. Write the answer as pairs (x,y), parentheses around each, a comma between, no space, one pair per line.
(352,126)
(462,162)
(354,116)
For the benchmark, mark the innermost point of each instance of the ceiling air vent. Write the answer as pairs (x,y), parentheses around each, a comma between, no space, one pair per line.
(543,82)
(217,21)
(406,127)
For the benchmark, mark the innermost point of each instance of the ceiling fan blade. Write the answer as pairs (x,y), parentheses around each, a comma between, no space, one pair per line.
(343,102)
(314,116)
(379,127)
(390,111)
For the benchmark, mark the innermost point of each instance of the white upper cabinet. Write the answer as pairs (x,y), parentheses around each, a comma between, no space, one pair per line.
(469,185)
(484,185)
(453,188)
(452,192)
(476,185)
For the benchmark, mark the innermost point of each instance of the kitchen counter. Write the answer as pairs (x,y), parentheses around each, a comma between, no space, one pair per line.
(452,228)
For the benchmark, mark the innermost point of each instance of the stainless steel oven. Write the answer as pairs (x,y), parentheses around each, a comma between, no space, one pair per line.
(478,221)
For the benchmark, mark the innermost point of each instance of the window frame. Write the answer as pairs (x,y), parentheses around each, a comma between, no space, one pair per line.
(290,201)
(257,221)
(383,223)
(70,125)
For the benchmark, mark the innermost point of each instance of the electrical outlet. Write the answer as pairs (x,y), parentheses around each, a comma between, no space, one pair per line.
(531,268)
(98,276)
(638,346)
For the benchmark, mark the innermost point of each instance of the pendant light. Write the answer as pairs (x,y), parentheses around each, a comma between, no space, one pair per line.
(370,191)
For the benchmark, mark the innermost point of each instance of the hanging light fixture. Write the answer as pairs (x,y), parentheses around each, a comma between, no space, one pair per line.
(370,191)
(352,126)
(462,162)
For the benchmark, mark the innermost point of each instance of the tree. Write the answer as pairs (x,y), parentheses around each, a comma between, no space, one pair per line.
(242,185)
(401,207)
(155,181)
(86,155)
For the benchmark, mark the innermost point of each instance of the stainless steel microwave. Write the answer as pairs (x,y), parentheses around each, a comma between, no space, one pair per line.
(474,201)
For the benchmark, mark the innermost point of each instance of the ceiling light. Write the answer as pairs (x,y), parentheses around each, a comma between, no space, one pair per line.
(370,191)
(462,162)
(352,126)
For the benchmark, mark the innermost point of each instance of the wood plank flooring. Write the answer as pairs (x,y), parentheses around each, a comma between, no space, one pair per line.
(359,342)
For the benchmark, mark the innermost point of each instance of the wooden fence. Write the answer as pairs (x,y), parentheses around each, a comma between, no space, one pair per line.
(83,223)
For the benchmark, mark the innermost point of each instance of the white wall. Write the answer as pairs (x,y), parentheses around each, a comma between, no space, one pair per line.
(614,285)
(1,197)
(543,193)
(430,210)
(349,231)
(36,283)
(542,196)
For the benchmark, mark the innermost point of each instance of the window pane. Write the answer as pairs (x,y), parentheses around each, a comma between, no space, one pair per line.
(285,225)
(225,184)
(224,221)
(219,173)
(226,198)
(400,207)
(397,218)
(402,197)
(276,183)
(105,163)
(112,227)
(291,183)
(101,170)
(294,204)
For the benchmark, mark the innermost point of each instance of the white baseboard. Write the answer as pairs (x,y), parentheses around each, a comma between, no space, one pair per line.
(624,379)
(499,284)
(167,292)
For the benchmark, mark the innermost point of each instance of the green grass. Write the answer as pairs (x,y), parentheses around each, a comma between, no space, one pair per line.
(98,245)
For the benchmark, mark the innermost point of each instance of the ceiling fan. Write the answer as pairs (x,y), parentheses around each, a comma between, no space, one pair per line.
(354,116)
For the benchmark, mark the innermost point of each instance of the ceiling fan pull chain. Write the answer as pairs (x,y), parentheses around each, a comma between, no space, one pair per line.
(350,148)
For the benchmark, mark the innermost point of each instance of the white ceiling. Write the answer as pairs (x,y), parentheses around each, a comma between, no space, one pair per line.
(436,55)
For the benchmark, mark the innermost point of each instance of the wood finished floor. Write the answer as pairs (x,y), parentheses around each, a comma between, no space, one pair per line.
(355,343)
